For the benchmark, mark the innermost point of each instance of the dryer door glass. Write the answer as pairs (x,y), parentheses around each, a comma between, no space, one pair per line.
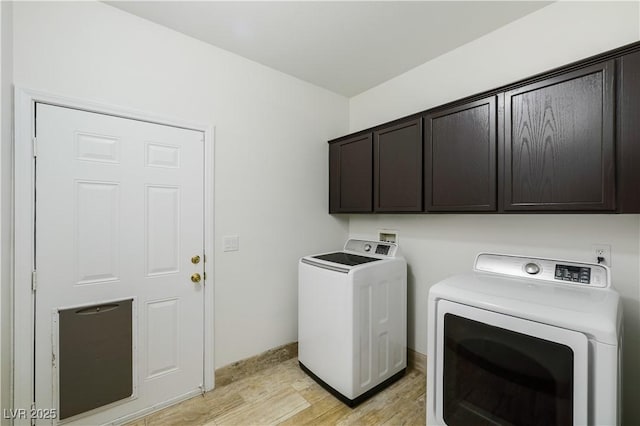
(497,376)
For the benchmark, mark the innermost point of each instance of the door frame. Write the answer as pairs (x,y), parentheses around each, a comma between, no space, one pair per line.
(24,232)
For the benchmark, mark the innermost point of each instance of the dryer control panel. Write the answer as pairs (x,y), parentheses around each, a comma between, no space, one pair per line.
(557,271)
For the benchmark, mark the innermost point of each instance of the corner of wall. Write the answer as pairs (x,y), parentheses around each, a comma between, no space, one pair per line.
(350,114)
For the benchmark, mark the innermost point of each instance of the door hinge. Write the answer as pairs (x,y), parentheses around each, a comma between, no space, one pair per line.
(34,280)
(35,146)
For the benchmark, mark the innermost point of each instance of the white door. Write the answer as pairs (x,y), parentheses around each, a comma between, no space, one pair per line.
(119,216)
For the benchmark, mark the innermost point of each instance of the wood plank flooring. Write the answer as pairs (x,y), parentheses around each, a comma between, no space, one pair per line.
(285,395)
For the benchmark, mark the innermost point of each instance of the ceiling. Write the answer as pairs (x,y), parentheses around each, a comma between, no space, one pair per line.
(344,46)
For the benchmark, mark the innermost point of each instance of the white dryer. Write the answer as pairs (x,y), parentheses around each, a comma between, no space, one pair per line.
(524,341)
(352,318)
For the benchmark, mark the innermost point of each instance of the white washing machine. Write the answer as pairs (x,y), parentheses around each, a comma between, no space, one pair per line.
(524,341)
(352,318)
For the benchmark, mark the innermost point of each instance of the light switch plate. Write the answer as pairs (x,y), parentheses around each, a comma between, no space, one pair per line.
(231,243)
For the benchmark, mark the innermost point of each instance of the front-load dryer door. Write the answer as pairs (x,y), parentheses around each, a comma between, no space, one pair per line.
(497,369)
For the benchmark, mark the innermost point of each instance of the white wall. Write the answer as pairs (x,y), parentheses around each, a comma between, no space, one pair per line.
(270,146)
(437,246)
(6,119)
(550,37)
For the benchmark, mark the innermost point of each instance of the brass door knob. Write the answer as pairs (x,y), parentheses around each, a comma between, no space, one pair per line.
(195,260)
(195,278)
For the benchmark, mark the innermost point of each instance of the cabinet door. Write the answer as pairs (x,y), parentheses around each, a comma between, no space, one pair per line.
(397,171)
(460,158)
(350,176)
(559,136)
(628,141)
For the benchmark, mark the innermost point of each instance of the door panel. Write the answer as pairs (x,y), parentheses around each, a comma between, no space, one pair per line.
(119,214)
(559,142)
(162,234)
(162,339)
(97,248)
(397,171)
(460,158)
(628,136)
(350,176)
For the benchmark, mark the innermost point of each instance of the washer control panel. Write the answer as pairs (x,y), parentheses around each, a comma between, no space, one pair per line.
(382,249)
(557,271)
(372,247)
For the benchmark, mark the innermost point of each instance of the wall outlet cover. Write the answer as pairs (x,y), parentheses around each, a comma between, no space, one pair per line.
(231,243)
(602,254)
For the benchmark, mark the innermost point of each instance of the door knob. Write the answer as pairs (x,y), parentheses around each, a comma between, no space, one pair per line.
(195,278)
(195,260)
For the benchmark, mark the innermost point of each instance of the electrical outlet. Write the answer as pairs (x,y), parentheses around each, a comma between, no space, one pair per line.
(602,254)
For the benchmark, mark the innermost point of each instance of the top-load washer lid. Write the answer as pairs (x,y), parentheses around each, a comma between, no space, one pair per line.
(357,254)
(345,258)
(570,295)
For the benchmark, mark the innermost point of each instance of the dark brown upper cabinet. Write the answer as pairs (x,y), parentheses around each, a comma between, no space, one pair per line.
(397,170)
(350,175)
(628,140)
(460,158)
(559,142)
(567,140)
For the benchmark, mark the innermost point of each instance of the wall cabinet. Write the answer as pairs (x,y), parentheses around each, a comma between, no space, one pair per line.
(628,139)
(350,175)
(559,142)
(566,141)
(397,170)
(460,158)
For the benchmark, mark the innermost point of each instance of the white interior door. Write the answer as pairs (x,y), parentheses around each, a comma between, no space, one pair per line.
(119,215)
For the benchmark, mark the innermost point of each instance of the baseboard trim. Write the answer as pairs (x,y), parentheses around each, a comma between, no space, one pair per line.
(246,367)
(417,361)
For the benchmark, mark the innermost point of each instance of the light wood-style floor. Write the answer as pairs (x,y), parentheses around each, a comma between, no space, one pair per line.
(285,395)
